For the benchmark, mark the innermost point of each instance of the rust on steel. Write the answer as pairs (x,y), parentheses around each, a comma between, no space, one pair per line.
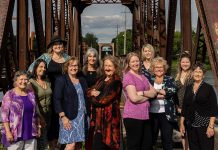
(37,16)
(62,19)
(48,21)
(162,28)
(22,31)
(170,30)
(207,11)
(186,28)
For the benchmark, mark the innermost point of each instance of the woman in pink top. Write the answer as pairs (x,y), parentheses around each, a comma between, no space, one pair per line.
(136,110)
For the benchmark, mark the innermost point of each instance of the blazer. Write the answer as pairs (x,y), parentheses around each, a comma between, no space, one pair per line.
(65,96)
(205,102)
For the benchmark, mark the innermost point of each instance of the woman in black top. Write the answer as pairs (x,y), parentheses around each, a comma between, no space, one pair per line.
(91,71)
(199,111)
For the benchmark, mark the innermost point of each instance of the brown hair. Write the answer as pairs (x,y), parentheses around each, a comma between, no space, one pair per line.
(128,58)
(115,62)
(199,65)
(67,63)
(184,54)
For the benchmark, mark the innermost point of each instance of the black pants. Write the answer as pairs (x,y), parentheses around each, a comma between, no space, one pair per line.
(138,133)
(198,139)
(160,122)
(98,143)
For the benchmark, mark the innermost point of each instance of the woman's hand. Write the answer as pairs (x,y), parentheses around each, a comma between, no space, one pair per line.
(210,132)
(140,93)
(66,123)
(95,93)
(9,136)
(39,130)
(182,129)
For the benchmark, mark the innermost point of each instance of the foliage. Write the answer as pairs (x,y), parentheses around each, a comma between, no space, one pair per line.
(120,39)
(91,40)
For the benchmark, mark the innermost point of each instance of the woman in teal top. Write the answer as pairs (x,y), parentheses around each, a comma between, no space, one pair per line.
(43,92)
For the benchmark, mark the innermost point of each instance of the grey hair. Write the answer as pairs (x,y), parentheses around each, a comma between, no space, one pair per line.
(97,63)
(18,74)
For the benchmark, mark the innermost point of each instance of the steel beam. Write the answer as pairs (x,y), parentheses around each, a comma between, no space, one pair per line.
(37,16)
(48,22)
(186,28)
(162,28)
(170,30)
(62,19)
(22,31)
(207,11)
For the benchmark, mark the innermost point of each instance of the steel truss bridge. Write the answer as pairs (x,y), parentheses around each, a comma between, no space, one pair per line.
(63,17)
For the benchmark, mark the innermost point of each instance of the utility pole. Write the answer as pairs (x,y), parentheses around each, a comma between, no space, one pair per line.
(117,47)
(124,42)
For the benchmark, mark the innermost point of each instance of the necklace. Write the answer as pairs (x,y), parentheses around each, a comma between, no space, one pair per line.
(41,83)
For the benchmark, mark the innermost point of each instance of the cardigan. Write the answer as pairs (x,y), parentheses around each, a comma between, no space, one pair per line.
(171,99)
(205,103)
(47,58)
(12,112)
(65,96)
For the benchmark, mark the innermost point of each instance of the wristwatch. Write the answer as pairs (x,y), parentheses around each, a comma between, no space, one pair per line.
(211,126)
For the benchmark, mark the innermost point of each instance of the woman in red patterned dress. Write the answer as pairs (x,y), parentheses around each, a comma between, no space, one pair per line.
(105,95)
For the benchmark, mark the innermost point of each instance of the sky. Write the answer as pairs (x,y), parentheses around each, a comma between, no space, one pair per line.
(103,19)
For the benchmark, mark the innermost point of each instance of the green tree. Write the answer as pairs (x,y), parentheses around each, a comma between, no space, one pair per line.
(91,40)
(120,39)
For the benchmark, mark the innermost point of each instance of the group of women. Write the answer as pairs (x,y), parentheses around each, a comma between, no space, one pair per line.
(62,103)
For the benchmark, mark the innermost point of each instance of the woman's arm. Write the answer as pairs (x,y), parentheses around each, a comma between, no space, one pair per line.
(151,93)
(108,97)
(5,111)
(134,97)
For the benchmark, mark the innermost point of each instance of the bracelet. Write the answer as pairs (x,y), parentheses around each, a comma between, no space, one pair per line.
(210,126)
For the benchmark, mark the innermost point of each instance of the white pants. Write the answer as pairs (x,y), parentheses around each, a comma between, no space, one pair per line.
(24,145)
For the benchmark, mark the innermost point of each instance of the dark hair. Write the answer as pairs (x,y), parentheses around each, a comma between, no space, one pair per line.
(199,65)
(34,72)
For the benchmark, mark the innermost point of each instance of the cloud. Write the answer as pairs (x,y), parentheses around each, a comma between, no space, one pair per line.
(101,21)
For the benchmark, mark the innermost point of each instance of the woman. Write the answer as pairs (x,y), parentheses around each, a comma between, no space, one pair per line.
(183,79)
(198,112)
(19,117)
(162,109)
(70,104)
(136,110)
(91,71)
(105,96)
(43,92)
(147,54)
(55,59)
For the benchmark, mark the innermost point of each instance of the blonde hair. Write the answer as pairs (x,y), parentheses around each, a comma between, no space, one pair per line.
(67,63)
(151,48)
(157,60)
(128,58)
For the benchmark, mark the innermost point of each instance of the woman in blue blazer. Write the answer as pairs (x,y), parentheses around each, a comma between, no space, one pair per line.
(70,104)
